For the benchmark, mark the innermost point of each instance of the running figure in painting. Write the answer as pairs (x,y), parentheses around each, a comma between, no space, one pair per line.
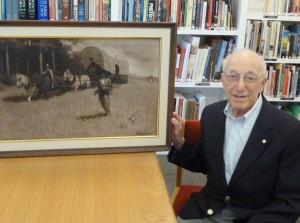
(103,91)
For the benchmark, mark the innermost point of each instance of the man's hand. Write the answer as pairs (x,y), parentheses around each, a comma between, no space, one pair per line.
(177,131)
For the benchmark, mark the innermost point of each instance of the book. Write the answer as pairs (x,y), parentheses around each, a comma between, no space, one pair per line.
(86,10)
(12,10)
(204,50)
(58,9)
(284,44)
(65,9)
(194,41)
(23,14)
(42,10)
(189,13)
(52,9)
(92,10)
(203,18)
(185,70)
(218,67)
(209,14)
(3,10)
(151,11)
(181,51)
(130,11)
(32,10)
(75,10)
(81,10)
(200,98)
(177,65)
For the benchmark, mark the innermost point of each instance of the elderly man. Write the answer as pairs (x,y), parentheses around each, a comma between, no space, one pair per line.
(249,150)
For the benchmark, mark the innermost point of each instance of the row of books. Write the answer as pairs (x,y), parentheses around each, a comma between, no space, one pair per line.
(272,39)
(91,10)
(202,14)
(281,8)
(191,14)
(188,105)
(283,81)
(197,62)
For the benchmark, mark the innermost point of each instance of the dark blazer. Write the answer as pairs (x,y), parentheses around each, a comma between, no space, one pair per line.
(265,186)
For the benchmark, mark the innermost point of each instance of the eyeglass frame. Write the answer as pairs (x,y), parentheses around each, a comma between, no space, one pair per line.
(239,77)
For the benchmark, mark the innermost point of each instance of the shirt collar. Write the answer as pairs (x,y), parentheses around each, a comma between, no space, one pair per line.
(253,111)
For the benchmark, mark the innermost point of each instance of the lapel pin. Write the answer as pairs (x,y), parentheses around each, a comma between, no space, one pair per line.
(264,141)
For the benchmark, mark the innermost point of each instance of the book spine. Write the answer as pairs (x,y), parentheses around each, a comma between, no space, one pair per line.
(92,10)
(52,10)
(130,10)
(209,15)
(151,11)
(75,10)
(105,10)
(2,10)
(141,10)
(42,10)
(86,10)
(9,10)
(101,10)
(97,10)
(15,9)
(65,9)
(32,10)
(81,10)
(23,9)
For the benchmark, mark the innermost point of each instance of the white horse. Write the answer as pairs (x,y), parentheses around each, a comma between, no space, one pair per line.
(24,82)
(77,80)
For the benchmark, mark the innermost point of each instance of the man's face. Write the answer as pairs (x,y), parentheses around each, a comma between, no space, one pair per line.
(242,94)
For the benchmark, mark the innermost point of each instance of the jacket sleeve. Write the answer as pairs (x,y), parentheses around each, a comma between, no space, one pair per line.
(190,157)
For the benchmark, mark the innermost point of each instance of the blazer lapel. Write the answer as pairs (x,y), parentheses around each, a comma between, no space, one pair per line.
(218,130)
(257,142)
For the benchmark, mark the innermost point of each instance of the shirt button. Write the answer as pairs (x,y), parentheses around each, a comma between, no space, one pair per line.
(210,211)
(227,198)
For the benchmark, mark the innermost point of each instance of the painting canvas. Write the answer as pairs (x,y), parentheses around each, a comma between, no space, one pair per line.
(71,87)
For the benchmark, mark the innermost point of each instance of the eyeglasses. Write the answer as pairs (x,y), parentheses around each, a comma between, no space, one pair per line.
(249,78)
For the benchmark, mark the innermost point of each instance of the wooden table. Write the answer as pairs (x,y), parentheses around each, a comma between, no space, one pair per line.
(85,189)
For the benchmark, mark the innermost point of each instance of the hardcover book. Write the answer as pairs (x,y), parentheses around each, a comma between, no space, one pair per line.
(32,10)
(65,9)
(81,10)
(23,9)
(52,9)
(42,10)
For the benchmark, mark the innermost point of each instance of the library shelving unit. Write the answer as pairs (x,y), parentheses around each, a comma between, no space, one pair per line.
(213,91)
(285,14)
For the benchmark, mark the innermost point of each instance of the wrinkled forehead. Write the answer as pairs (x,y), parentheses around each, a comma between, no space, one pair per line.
(244,64)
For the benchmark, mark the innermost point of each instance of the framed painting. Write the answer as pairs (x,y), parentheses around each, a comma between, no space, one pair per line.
(85,87)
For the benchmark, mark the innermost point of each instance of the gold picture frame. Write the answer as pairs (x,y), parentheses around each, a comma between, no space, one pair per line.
(53,117)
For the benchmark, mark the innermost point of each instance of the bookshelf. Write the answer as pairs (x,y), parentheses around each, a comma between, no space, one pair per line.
(276,22)
(278,31)
(213,90)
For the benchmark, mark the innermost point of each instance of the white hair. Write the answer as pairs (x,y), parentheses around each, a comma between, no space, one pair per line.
(262,64)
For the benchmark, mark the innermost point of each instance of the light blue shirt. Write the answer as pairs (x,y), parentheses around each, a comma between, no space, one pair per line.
(237,131)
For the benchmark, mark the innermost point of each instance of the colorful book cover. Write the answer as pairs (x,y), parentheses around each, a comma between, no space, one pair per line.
(42,10)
